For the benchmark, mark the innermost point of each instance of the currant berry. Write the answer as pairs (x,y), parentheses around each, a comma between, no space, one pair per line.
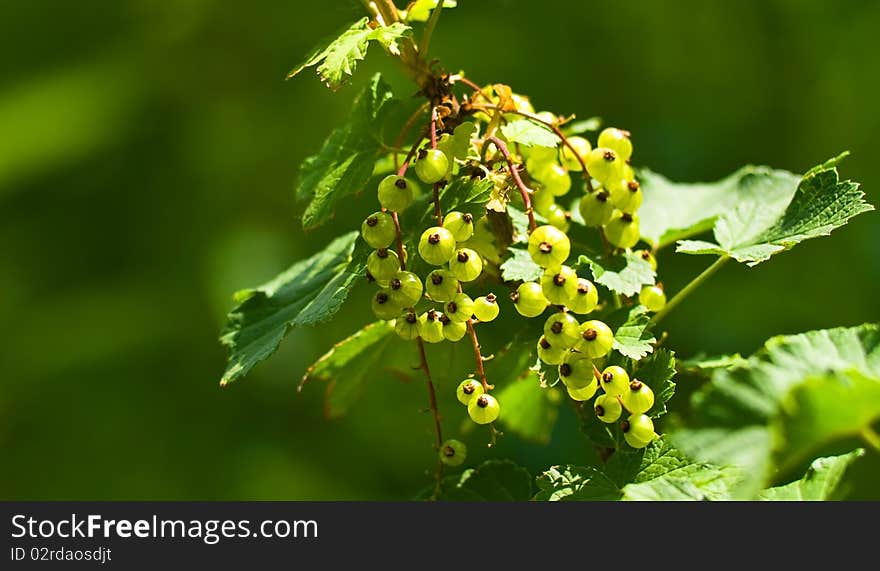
(540,159)
(430,327)
(623,229)
(407,325)
(648,257)
(395,193)
(383,264)
(453,452)
(604,165)
(467,390)
(436,245)
(638,430)
(626,195)
(653,297)
(383,307)
(441,285)
(484,409)
(562,330)
(558,217)
(460,308)
(453,330)
(432,166)
(555,180)
(542,201)
(549,354)
(486,307)
(460,224)
(596,339)
(378,230)
(549,246)
(638,398)
(529,299)
(559,285)
(583,393)
(466,264)
(614,380)
(405,288)
(596,209)
(582,147)
(576,371)
(585,299)
(607,408)
(618,141)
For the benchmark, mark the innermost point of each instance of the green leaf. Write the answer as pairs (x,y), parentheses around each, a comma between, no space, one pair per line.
(520,266)
(530,411)
(529,133)
(575,483)
(818,484)
(756,230)
(420,10)
(797,394)
(345,162)
(624,274)
(673,211)
(491,481)
(307,293)
(584,126)
(338,59)
(633,337)
(465,194)
(657,371)
(703,364)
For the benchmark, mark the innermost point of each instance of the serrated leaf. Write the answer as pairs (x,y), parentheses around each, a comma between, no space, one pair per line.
(461,139)
(584,126)
(530,411)
(625,274)
(520,266)
(657,371)
(345,162)
(529,133)
(818,484)
(575,483)
(796,394)
(338,59)
(703,363)
(754,231)
(420,10)
(307,293)
(632,338)
(491,481)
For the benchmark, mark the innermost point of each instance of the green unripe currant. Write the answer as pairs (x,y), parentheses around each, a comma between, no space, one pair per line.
(529,300)
(607,408)
(542,201)
(486,307)
(549,247)
(638,398)
(431,166)
(460,308)
(648,257)
(437,245)
(562,330)
(468,389)
(604,165)
(627,171)
(430,327)
(559,284)
(441,285)
(585,299)
(484,409)
(559,217)
(540,159)
(383,307)
(407,325)
(618,141)
(596,209)
(583,393)
(395,193)
(446,144)
(626,195)
(549,354)
(555,180)
(383,264)
(405,288)
(576,371)
(596,339)
(638,430)
(453,330)
(614,380)
(653,297)
(466,264)
(453,452)
(623,229)
(461,224)
(583,148)
(378,230)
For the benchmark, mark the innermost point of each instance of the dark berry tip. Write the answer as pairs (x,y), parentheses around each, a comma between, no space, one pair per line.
(607,377)
(452,307)
(422,154)
(372,220)
(632,185)
(444,319)
(482,401)
(556,327)
(400,183)
(626,217)
(382,253)
(544,343)
(602,196)
(583,288)
(448,451)
(411,318)
(609,156)
(624,426)
(600,410)
(468,218)
(434,238)
(590,334)
(545,247)
(559,280)
(565,369)
(491,297)
(381,297)
(462,256)
(514,296)
(395,283)
(436,279)
(646,255)
(635,385)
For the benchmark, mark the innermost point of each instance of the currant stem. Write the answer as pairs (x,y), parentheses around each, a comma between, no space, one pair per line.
(438,213)
(523,191)
(694,284)
(406,128)
(481,371)
(432,401)
(402,170)
(429,30)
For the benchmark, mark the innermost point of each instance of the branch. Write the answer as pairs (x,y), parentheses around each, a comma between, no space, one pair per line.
(694,284)
(523,191)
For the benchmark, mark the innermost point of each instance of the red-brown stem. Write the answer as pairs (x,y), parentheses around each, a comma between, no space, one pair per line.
(481,372)
(406,128)
(469,83)
(597,373)
(434,127)
(412,151)
(438,213)
(524,192)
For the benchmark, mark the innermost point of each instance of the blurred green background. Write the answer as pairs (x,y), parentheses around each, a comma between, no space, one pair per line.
(147,157)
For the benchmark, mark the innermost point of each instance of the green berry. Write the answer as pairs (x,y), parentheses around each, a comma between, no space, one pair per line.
(555,179)
(576,371)
(559,284)
(466,264)
(618,141)
(453,330)
(583,393)
(540,159)
(614,380)
(407,325)
(607,408)
(626,195)
(383,307)
(430,327)
(583,148)
(395,193)
(405,288)
(623,229)
(596,209)
(486,307)
(638,398)
(562,330)
(549,354)
(378,230)
(653,297)
(585,299)
(529,299)
(542,201)
(436,245)
(460,308)
(484,409)
(596,339)
(559,217)
(648,257)
(638,430)
(383,264)
(453,452)
(604,165)
(549,246)
(441,285)
(432,166)
(460,224)
(467,390)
